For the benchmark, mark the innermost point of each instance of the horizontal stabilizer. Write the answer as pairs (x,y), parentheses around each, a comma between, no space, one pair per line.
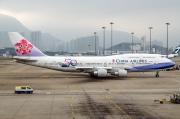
(24,59)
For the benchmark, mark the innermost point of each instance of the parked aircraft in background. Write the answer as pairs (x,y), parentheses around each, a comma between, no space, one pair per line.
(98,66)
(175,53)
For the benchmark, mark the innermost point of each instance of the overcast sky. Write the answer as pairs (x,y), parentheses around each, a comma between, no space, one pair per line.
(70,19)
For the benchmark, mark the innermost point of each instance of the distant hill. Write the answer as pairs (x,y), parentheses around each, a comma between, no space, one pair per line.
(11,24)
(122,46)
(49,38)
(118,37)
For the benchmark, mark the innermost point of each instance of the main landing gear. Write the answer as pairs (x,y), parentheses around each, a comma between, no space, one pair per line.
(92,75)
(157,74)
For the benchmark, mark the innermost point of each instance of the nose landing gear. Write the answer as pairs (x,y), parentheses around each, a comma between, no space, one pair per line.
(157,74)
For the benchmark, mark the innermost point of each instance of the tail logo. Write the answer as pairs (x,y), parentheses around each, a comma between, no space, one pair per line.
(23,47)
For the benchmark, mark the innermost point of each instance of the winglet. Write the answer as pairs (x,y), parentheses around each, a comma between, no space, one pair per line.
(22,46)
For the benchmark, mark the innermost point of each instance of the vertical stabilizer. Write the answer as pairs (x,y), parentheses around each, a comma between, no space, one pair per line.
(22,46)
(176,51)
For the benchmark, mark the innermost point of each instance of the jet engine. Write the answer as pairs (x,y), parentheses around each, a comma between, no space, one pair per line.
(120,73)
(100,73)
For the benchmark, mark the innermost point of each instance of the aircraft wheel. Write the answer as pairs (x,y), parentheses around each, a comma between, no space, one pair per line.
(157,74)
(92,76)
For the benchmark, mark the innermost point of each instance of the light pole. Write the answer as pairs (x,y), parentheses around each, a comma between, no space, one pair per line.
(95,43)
(132,41)
(104,41)
(111,37)
(89,49)
(167,40)
(150,39)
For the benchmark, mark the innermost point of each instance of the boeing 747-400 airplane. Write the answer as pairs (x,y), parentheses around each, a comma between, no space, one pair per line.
(97,66)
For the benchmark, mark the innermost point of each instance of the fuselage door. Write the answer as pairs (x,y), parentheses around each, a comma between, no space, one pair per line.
(81,63)
(105,64)
(133,64)
(45,64)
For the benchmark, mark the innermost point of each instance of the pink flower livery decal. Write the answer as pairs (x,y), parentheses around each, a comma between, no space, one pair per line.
(23,47)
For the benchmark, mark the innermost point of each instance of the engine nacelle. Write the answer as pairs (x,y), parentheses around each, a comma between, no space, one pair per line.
(120,73)
(100,73)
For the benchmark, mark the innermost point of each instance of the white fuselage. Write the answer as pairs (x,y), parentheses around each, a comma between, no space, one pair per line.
(96,66)
(127,62)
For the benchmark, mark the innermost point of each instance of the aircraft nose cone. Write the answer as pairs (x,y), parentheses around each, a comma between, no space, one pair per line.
(172,63)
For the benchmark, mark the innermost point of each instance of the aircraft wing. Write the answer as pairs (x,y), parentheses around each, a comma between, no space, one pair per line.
(90,68)
(81,67)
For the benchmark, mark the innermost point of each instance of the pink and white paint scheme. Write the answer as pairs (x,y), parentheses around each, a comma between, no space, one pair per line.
(23,47)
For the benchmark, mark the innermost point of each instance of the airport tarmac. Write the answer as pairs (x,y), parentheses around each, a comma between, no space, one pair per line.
(61,95)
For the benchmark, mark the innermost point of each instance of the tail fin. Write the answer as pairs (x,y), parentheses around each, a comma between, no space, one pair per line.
(22,46)
(176,51)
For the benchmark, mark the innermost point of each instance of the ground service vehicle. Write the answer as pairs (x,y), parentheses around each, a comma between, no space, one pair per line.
(23,89)
(175,98)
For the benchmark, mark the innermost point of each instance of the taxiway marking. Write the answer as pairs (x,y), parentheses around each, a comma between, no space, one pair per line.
(70,97)
(118,107)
